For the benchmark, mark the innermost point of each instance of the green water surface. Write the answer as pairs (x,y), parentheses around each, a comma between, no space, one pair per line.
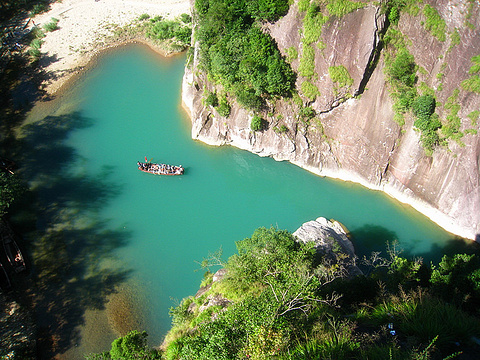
(157,228)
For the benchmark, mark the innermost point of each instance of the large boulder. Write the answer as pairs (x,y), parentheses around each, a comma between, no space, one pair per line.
(328,236)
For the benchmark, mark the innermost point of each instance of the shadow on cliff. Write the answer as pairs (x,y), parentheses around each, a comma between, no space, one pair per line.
(377,237)
(70,247)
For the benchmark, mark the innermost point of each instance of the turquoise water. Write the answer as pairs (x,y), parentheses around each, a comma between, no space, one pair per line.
(127,108)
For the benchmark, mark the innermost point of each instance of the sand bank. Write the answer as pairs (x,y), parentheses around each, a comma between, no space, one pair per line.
(87,26)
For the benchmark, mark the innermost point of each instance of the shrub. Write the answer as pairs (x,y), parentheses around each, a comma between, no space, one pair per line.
(211,99)
(270,10)
(474,116)
(35,53)
(224,107)
(36,44)
(451,129)
(303,5)
(472,84)
(394,15)
(403,68)
(131,346)
(312,24)
(457,279)
(169,30)
(10,189)
(39,8)
(307,113)
(281,130)
(257,123)
(248,99)
(185,18)
(423,106)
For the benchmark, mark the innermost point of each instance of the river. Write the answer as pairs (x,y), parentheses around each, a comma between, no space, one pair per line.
(121,246)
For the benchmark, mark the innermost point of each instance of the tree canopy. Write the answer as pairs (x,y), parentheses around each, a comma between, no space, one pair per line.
(237,54)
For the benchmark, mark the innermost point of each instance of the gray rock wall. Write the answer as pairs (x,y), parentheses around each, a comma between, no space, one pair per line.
(354,137)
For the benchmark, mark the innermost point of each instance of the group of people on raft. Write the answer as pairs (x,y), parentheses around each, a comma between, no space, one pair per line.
(160,169)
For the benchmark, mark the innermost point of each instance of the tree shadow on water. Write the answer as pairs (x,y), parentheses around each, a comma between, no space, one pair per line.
(73,250)
(370,238)
(376,238)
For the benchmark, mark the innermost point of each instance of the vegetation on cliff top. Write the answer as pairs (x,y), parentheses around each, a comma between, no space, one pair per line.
(280,299)
(237,54)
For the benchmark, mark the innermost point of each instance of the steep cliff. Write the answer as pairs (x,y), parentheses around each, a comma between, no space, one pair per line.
(353,134)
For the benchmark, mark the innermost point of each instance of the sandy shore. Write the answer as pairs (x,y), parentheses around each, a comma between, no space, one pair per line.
(85,27)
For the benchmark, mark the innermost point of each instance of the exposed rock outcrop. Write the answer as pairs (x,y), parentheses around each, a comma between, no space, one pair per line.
(331,240)
(326,235)
(355,137)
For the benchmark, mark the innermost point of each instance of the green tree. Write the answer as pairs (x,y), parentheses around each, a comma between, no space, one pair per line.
(270,10)
(423,106)
(257,123)
(457,279)
(10,189)
(403,68)
(132,346)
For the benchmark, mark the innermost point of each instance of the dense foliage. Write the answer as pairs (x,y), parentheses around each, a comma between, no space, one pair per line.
(401,71)
(10,189)
(132,346)
(287,302)
(178,32)
(237,54)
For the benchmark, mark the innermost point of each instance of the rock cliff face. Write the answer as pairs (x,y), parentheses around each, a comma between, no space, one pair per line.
(353,135)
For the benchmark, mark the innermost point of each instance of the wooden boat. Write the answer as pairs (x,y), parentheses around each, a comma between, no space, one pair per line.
(5,283)
(160,169)
(14,255)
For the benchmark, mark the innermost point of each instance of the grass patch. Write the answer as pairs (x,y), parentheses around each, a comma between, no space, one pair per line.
(307,62)
(340,8)
(340,76)
(309,90)
(451,129)
(303,5)
(292,53)
(51,26)
(474,116)
(312,24)
(473,83)
(434,23)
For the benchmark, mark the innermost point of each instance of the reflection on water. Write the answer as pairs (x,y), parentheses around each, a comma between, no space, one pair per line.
(106,232)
